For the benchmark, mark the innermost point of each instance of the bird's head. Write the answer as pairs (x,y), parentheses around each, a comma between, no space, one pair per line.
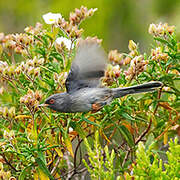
(57,102)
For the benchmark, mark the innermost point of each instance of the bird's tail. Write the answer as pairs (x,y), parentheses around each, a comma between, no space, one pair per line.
(150,86)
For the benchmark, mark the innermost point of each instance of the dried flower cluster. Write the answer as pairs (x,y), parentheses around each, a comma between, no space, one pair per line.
(137,65)
(133,52)
(17,42)
(161,29)
(7,113)
(6,71)
(72,27)
(136,62)
(23,42)
(111,73)
(80,14)
(37,30)
(30,69)
(60,78)
(158,55)
(115,57)
(31,99)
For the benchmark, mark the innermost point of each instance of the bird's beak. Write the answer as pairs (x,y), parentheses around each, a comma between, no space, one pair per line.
(43,105)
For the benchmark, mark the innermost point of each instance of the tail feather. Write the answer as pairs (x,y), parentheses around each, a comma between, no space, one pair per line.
(151,86)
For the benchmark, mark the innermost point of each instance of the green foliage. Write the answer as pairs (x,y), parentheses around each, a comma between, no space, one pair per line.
(100,159)
(38,143)
(150,166)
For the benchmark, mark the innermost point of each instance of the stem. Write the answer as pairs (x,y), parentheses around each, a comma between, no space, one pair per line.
(56,165)
(144,133)
(8,163)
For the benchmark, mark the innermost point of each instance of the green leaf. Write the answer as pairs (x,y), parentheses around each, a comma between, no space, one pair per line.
(149,141)
(126,134)
(127,116)
(24,173)
(56,55)
(43,167)
(163,41)
(90,122)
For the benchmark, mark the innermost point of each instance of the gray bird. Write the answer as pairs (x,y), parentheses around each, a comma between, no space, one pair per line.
(84,92)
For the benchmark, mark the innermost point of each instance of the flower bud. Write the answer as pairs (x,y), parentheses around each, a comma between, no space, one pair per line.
(18,70)
(37,71)
(5,112)
(132,45)
(12,112)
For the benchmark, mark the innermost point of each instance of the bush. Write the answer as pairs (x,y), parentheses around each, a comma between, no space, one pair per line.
(150,166)
(39,143)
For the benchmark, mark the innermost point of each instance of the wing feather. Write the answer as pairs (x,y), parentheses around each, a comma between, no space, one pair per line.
(87,67)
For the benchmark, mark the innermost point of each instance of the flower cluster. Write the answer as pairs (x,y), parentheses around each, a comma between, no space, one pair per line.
(137,65)
(157,54)
(161,29)
(72,31)
(31,99)
(17,42)
(60,78)
(80,14)
(7,113)
(111,73)
(22,42)
(93,39)
(30,68)
(6,71)
(37,30)
(133,52)
(71,27)
(115,57)
(62,44)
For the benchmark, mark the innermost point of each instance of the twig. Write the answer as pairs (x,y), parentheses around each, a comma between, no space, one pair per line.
(44,112)
(11,80)
(56,165)
(8,163)
(76,150)
(126,157)
(144,133)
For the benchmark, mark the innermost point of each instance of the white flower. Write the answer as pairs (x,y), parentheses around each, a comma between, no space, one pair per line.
(51,18)
(71,129)
(66,42)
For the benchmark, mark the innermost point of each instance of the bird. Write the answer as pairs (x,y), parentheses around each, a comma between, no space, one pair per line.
(84,91)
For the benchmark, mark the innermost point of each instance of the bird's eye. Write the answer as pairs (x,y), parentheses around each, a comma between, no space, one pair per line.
(51,101)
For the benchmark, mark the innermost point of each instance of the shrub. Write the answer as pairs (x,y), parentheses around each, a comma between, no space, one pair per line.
(39,143)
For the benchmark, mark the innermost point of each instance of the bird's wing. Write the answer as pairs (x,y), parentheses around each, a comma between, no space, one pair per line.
(87,67)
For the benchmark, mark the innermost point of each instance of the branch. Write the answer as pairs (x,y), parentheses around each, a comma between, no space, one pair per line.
(8,163)
(144,133)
